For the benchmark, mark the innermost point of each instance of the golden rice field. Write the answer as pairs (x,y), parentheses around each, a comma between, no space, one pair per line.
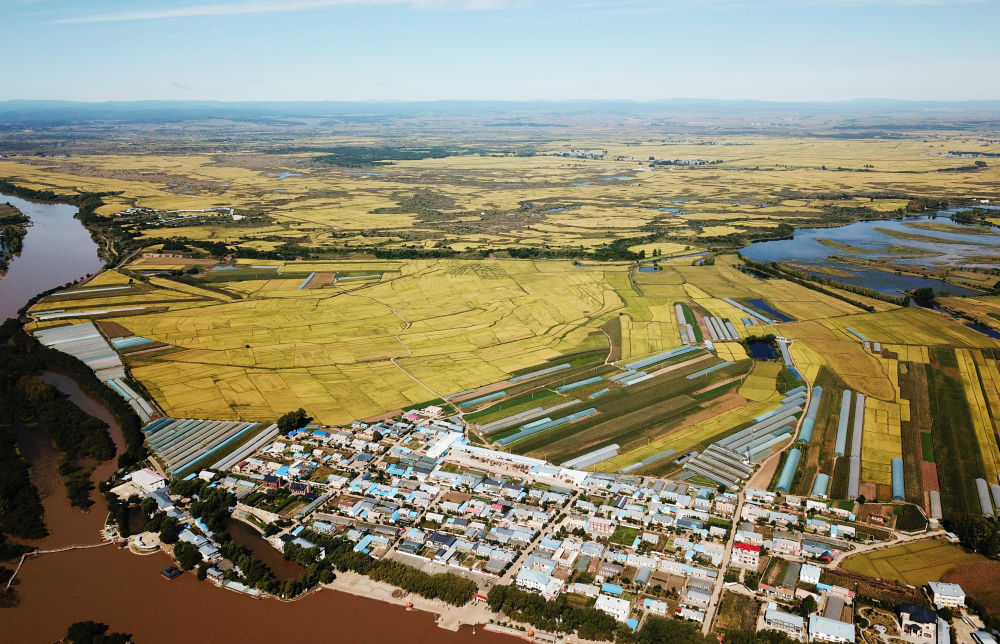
(982,396)
(759,385)
(477,200)
(859,369)
(912,325)
(880,441)
(408,332)
(984,309)
(911,563)
(910,353)
(731,351)
(253,346)
(807,359)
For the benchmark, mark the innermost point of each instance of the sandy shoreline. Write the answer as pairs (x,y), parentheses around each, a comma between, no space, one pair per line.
(446,615)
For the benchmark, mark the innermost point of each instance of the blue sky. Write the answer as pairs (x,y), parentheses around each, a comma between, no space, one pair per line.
(499,49)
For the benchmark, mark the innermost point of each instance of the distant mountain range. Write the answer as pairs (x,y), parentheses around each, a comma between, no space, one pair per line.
(28,111)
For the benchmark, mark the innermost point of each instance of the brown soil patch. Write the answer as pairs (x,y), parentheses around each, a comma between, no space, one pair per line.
(868,510)
(764,475)
(979,580)
(482,391)
(113,329)
(929,473)
(868,490)
(319,280)
(143,348)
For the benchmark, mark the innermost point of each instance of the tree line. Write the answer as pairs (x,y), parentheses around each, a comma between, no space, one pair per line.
(81,439)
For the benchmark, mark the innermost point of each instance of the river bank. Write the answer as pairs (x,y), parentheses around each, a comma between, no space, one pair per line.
(118,587)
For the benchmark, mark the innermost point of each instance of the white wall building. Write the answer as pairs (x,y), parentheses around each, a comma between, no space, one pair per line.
(782,621)
(745,555)
(617,608)
(809,574)
(148,481)
(823,629)
(945,594)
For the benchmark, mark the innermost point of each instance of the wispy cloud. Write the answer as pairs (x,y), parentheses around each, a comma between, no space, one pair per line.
(660,6)
(284,6)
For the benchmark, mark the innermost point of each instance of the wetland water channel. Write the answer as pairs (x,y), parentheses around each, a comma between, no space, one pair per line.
(865,240)
(126,591)
(57,249)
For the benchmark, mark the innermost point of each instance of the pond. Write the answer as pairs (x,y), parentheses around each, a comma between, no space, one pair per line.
(762,351)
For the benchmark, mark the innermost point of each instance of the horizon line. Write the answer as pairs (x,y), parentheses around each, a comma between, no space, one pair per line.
(386,101)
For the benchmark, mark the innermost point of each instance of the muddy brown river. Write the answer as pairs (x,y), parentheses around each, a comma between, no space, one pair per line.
(126,591)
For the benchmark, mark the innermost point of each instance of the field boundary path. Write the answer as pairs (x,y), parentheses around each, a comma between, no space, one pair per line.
(406,326)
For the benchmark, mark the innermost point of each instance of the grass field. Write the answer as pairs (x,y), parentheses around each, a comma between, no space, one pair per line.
(736,612)
(912,563)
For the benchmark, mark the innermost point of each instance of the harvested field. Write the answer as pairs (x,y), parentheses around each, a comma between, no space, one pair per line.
(928,478)
(979,580)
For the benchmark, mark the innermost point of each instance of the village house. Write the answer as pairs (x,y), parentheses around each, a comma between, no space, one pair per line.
(918,621)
